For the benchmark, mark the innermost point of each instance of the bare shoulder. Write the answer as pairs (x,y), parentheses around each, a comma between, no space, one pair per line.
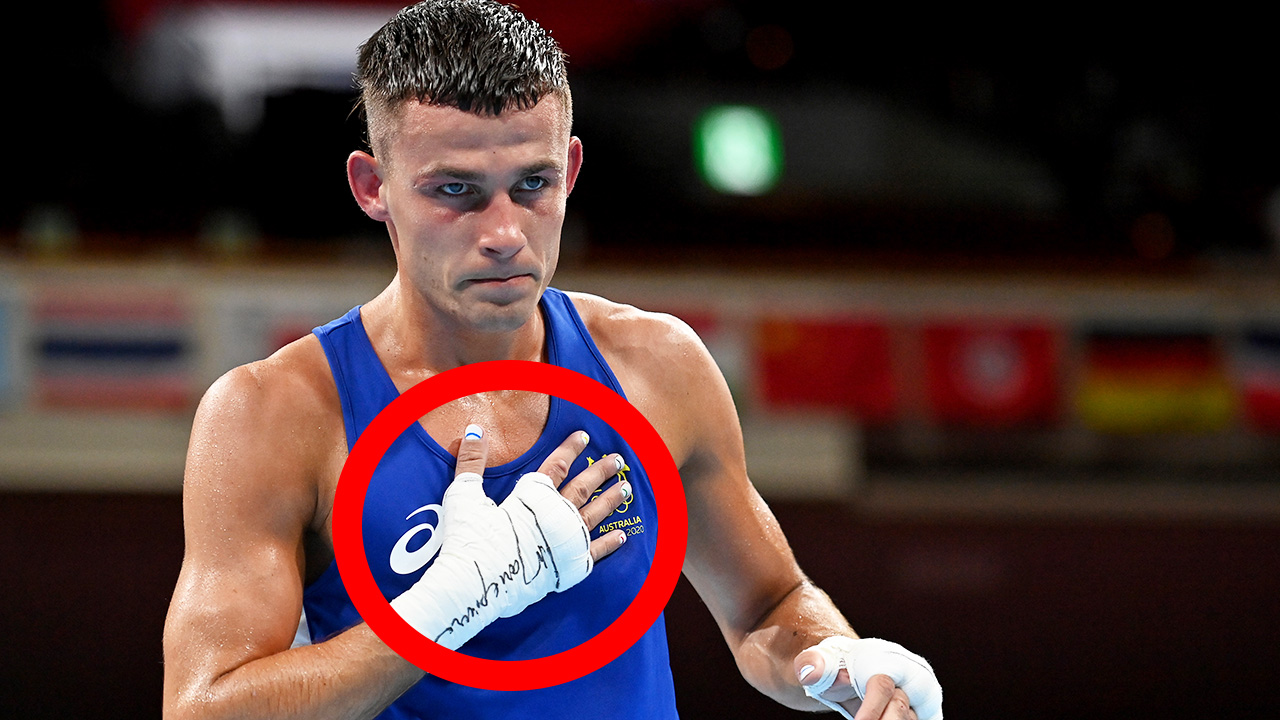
(635,335)
(295,377)
(665,370)
(268,429)
(291,387)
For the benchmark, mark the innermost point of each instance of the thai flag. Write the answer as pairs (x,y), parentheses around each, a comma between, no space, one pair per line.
(109,352)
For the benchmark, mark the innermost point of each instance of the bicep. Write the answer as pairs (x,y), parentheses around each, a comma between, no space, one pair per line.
(229,610)
(239,593)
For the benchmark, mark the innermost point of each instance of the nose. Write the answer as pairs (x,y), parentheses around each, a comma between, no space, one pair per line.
(501,233)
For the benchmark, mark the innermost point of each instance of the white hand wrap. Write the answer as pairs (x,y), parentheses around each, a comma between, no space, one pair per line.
(871,656)
(496,560)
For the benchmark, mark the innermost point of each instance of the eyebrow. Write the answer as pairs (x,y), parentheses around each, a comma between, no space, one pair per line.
(473,176)
(459,173)
(535,168)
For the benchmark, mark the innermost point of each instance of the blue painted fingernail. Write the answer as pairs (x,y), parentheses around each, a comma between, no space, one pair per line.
(474,431)
(804,672)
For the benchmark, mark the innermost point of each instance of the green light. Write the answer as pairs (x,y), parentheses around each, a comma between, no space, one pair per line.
(738,149)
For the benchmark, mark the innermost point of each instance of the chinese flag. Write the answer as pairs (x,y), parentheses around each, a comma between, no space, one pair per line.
(841,365)
(983,374)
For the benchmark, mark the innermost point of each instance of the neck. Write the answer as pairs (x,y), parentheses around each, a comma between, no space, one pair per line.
(414,339)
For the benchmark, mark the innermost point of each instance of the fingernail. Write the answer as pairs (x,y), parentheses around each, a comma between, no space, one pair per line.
(626,492)
(622,539)
(804,672)
(585,438)
(617,460)
(474,431)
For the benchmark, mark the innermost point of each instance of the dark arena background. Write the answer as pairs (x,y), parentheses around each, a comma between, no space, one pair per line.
(997,295)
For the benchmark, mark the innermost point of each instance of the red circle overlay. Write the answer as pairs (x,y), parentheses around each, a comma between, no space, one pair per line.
(456,667)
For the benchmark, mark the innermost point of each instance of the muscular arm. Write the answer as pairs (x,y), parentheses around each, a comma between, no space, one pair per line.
(740,563)
(249,495)
(266,448)
(738,559)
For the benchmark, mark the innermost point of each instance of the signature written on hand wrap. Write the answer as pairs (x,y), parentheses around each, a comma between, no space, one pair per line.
(518,570)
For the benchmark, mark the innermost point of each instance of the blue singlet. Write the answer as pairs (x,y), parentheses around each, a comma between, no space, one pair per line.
(400,514)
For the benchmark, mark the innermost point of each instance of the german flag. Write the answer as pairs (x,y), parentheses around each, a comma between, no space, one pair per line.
(1154,381)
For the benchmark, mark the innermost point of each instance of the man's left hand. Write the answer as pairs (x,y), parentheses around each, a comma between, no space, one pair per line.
(876,679)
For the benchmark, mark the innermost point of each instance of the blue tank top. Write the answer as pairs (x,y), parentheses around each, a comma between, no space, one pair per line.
(401,511)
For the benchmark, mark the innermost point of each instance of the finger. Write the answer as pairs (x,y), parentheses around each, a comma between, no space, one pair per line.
(880,692)
(557,464)
(900,706)
(809,666)
(473,451)
(605,544)
(468,479)
(608,501)
(580,489)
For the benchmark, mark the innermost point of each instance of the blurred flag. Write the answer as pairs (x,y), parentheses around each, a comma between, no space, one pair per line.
(99,351)
(247,326)
(6,352)
(1259,369)
(981,373)
(1145,381)
(841,365)
(285,330)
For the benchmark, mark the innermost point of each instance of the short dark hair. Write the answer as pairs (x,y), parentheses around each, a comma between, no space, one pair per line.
(479,56)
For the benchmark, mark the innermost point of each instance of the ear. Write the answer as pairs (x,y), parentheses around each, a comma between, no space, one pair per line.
(575,164)
(364,175)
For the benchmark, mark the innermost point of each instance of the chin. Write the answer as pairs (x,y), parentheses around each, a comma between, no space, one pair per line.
(504,318)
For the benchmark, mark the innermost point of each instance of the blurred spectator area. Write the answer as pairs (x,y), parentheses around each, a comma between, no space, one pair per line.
(198,127)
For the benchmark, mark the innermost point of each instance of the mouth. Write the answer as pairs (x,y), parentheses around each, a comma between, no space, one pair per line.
(504,284)
(501,279)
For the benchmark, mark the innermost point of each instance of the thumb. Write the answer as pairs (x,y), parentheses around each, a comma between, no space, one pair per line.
(819,673)
(473,451)
(809,666)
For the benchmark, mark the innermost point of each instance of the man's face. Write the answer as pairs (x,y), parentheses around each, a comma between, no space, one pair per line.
(475,207)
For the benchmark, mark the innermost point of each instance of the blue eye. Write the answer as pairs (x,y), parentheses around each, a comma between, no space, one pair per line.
(454,188)
(533,182)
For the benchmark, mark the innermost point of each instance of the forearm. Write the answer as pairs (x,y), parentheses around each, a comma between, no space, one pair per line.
(765,654)
(352,675)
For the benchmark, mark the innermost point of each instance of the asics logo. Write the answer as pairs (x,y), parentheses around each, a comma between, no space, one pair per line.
(405,561)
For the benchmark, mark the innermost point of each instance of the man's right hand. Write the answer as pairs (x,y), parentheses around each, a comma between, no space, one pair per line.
(496,560)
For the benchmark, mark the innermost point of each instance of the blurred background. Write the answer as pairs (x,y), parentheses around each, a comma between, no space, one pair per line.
(997,295)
